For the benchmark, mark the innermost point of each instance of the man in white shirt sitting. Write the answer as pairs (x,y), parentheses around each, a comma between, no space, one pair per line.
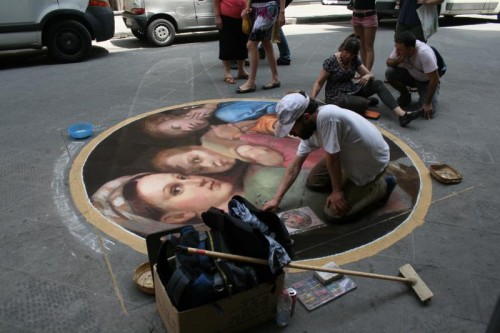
(413,63)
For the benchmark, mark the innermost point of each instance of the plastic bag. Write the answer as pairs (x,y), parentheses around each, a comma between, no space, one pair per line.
(429,18)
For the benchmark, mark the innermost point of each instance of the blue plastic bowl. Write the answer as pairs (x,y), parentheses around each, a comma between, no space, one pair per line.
(80,130)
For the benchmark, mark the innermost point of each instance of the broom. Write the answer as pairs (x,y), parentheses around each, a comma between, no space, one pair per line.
(410,277)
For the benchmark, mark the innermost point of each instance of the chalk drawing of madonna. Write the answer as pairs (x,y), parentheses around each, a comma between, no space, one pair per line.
(165,169)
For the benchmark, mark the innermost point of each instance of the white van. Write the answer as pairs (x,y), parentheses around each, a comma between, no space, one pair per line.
(65,27)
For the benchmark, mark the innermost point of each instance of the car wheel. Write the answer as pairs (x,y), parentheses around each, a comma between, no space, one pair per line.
(68,41)
(161,32)
(139,34)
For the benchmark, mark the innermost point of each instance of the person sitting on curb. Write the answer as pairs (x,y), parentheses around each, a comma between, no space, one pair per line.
(356,160)
(338,72)
(413,63)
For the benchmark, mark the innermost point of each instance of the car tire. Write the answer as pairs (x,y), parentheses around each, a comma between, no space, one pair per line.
(139,34)
(68,41)
(161,32)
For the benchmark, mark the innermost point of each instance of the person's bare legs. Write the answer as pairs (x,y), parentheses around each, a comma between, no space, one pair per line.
(226,67)
(367,44)
(367,36)
(253,57)
(242,73)
(271,59)
(359,30)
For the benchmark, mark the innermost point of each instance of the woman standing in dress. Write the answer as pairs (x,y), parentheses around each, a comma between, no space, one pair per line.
(263,14)
(232,41)
(338,72)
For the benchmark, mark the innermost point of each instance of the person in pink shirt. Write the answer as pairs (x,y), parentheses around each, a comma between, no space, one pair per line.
(232,40)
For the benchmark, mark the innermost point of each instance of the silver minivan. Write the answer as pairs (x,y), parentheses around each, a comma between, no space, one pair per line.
(65,27)
(158,21)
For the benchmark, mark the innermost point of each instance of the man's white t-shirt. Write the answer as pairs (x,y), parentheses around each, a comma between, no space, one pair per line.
(422,62)
(363,151)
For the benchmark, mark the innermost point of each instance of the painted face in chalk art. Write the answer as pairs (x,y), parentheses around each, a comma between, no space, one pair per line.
(192,160)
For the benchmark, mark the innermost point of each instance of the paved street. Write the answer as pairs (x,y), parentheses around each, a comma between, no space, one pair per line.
(62,274)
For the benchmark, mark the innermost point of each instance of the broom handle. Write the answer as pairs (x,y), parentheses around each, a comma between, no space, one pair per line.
(251,260)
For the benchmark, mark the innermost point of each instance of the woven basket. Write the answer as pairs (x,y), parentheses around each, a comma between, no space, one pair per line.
(445,174)
(144,279)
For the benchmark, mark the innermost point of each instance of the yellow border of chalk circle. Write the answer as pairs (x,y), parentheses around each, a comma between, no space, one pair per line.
(82,201)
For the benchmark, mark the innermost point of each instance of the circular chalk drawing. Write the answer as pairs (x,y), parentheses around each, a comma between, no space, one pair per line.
(162,169)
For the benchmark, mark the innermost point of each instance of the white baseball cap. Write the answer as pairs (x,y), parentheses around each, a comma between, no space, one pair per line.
(288,110)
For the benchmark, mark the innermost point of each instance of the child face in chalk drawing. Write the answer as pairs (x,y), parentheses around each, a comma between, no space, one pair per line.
(192,160)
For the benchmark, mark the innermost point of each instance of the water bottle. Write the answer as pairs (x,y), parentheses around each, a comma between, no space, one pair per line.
(284,308)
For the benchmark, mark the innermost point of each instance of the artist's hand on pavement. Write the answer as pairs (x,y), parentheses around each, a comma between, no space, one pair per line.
(337,200)
(427,110)
(271,205)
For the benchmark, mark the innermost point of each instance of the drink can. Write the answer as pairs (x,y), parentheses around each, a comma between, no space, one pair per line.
(293,295)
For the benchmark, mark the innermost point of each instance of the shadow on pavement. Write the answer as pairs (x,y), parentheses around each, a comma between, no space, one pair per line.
(130,42)
(34,57)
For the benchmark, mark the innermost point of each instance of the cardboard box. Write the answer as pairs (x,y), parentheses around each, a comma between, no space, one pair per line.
(231,314)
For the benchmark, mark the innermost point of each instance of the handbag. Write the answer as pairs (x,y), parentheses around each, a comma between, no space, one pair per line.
(247,23)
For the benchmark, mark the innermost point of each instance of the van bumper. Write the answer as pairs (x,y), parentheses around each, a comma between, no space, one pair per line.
(135,22)
(102,20)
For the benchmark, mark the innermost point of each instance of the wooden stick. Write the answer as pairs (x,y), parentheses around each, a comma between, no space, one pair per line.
(258,261)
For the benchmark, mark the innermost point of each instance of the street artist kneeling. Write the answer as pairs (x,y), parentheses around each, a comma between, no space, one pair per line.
(357,156)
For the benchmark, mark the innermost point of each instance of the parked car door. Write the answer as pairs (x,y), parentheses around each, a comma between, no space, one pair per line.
(18,21)
(204,13)
(26,11)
